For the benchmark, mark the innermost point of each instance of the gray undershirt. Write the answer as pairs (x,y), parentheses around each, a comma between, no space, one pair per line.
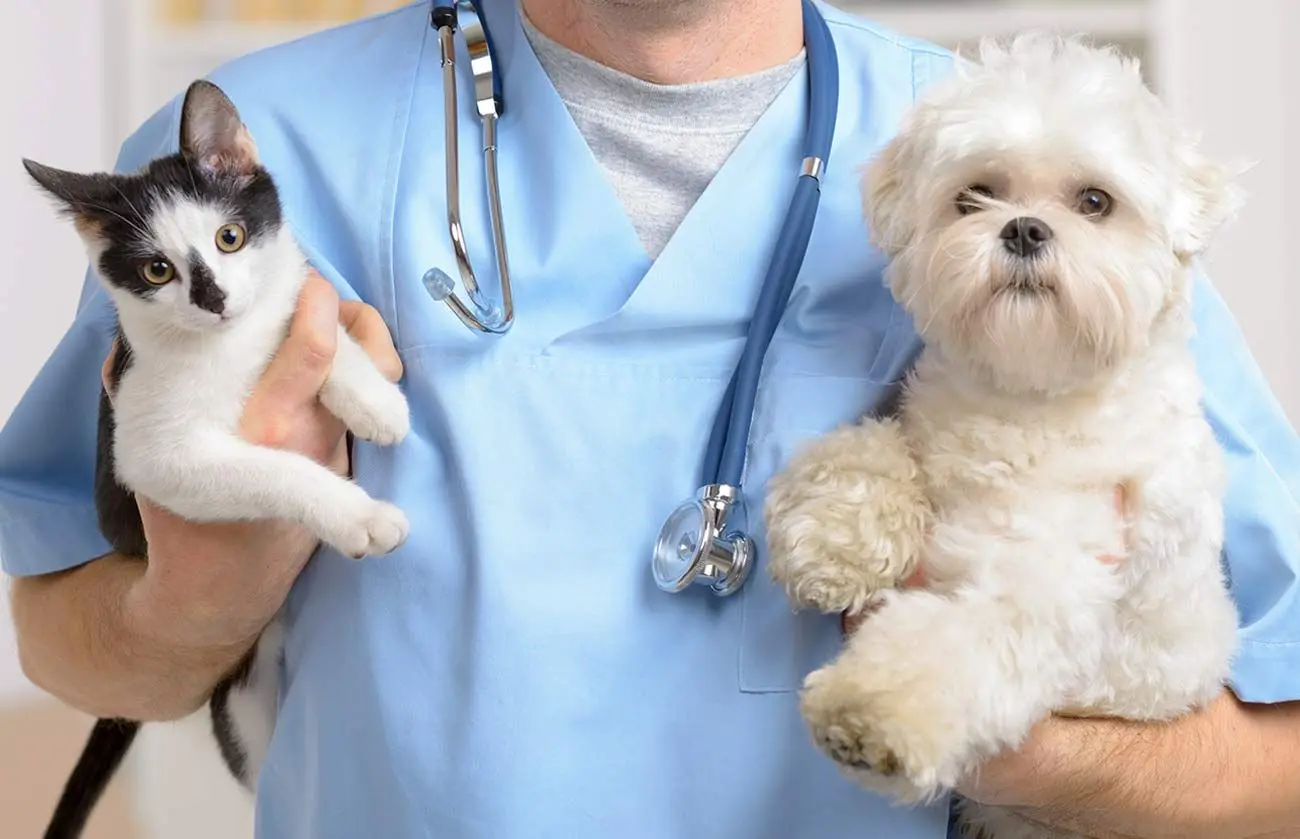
(658,145)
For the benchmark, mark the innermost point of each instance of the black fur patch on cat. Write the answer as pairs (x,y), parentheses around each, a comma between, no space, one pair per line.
(121,207)
(204,291)
(106,747)
(223,727)
(119,516)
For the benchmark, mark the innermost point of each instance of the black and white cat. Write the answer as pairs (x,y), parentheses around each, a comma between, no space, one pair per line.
(204,275)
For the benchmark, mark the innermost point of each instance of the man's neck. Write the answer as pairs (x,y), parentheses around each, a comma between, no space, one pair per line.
(674,41)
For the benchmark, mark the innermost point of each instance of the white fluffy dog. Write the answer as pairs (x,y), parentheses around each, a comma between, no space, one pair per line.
(1040,211)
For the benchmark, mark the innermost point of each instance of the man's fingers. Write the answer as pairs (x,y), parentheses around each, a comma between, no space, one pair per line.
(1122,498)
(303,361)
(107,369)
(368,329)
(850,622)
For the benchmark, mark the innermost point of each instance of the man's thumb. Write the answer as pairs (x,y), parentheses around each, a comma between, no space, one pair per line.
(300,367)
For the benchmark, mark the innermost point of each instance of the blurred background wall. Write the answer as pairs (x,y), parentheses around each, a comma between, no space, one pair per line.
(83,73)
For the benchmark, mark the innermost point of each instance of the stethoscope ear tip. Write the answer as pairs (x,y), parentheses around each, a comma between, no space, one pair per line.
(438,283)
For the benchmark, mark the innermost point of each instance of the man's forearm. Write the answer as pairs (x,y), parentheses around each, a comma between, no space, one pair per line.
(83,637)
(1224,773)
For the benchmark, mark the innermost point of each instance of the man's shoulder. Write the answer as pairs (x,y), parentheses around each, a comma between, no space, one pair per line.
(887,53)
(329,81)
(343,65)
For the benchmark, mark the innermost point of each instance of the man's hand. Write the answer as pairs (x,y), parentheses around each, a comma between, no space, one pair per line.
(1223,772)
(217,585)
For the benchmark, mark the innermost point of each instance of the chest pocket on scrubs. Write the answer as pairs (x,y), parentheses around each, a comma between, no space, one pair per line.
(829,365)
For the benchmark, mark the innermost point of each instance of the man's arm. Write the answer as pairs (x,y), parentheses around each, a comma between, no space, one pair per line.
(1223,773)
(80,640)
(119,637)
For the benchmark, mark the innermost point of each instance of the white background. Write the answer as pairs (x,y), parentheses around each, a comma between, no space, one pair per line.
(1224,64)
(52,109)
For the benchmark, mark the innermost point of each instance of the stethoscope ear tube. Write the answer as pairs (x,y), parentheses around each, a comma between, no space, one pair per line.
(791,246)
(479,313)
(724,456)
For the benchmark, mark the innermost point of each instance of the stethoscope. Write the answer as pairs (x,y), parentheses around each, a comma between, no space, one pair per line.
(706,540)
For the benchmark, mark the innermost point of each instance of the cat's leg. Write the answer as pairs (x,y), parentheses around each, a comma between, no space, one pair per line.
(846,517)
(220,477)
(372,407)
(931,684)
(244,707)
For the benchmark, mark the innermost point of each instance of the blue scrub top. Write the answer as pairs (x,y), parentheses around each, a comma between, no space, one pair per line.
(512,672)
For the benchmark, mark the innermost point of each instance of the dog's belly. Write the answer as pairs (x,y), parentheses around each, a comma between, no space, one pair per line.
(1163,646)
(981,536)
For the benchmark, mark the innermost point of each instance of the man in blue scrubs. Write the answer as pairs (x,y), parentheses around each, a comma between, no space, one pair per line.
(512,672)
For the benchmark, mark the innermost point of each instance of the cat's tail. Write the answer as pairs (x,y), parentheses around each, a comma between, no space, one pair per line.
(108,743)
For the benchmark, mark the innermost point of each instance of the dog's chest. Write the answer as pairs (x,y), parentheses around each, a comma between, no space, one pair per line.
(989,460)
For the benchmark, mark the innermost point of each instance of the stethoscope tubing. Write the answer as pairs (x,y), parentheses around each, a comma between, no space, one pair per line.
(724,459)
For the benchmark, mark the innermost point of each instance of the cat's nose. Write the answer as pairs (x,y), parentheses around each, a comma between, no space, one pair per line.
(208,297)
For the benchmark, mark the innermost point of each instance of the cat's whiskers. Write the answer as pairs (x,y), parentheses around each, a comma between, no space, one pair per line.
(135,226)
(139,215)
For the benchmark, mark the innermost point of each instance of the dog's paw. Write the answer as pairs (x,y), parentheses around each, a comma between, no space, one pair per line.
(371,528)
(890,740)
(377,412)
(846,518)
(817,573)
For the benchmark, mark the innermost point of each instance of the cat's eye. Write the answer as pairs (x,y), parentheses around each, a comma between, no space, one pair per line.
(1094,203)
(157,271)
(230,238)
(972,198)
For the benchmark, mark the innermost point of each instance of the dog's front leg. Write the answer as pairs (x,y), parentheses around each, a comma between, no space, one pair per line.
(934,683)
(846,518)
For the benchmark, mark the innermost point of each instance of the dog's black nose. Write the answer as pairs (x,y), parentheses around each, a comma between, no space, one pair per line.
(1025,236)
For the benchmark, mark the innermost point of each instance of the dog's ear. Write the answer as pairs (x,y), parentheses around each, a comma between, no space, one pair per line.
(884,197)
(1208,196)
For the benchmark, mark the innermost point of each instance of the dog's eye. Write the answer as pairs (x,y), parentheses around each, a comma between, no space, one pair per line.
(1095,203)
(971,199)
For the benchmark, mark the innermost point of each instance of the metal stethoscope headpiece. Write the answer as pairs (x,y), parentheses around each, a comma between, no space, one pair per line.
(445,17)
(705,542)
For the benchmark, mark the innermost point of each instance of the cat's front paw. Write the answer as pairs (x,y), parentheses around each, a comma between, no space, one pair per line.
(378,412)
(896,739)
(373,528)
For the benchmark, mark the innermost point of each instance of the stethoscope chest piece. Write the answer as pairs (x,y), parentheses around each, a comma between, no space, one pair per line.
(704,542)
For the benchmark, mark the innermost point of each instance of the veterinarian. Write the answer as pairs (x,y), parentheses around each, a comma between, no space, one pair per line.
(513,671)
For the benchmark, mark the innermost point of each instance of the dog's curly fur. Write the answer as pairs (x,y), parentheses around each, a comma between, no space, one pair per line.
(1046,382)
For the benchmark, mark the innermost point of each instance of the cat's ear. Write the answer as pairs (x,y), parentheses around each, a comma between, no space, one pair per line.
(212,133)
(88,198)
